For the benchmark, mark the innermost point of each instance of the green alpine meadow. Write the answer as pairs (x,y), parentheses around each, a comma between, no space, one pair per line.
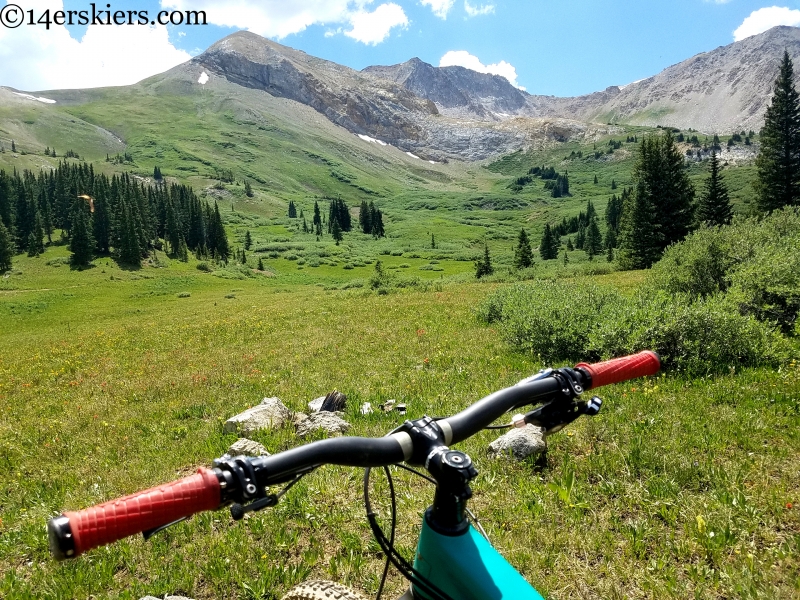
(173,252)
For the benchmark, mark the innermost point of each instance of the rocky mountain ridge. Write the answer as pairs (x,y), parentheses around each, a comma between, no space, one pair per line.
(453,112)
(373,104)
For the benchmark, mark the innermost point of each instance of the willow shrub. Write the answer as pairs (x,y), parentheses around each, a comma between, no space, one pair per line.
(567,321)
(756,262)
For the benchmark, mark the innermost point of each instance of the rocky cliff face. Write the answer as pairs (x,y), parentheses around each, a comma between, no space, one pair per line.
(355,102)
(391,103)
(457,91)
(452,112)
(721,91)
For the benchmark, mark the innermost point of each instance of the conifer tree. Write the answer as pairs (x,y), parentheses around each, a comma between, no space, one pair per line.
(35,238)
(365,217)
(433,242)
(13,146)
(260,264)
(714,207)
(523,254)
(639,244)
(376,219)
(292,210)
(594,241)
(130,253)
(662,211)
(248,240)
(317,221)
(548,247)
(336,231)
(483,266)
(570,245)
(595,179)
(81,241)
(6,248)
(248,190)
(778,161)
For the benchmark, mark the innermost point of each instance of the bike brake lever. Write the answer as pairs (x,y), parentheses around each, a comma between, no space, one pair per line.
(238,511)
(151,532)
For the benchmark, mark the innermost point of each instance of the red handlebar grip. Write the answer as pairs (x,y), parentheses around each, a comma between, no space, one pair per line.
(149,509)
(615,370)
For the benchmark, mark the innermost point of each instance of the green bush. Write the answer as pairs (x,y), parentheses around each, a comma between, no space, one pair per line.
(569,321)
(756,262)
(705,336)
(551,319)
(204,266)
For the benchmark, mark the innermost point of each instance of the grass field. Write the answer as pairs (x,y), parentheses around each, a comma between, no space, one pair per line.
(113,380)
(110,382)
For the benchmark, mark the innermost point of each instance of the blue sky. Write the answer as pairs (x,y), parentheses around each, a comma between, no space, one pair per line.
(563,48)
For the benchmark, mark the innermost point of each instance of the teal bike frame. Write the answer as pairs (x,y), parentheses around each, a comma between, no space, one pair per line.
(467,567)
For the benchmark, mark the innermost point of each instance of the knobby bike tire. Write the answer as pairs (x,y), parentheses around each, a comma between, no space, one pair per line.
(322,590)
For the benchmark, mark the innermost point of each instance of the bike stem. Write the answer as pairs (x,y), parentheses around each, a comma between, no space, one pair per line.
(451,469)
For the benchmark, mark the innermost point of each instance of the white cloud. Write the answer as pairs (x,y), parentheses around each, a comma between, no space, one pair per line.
(765,18)
(477,10)
(280,18)
(439,7)
(34,58)
(462,58)
(374,27)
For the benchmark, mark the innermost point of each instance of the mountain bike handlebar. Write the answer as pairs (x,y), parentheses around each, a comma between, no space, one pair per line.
(242,479)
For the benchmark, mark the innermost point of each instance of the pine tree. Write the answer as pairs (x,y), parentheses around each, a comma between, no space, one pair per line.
(523,255)
(714,207)
(260,264)
(81,241)
(548,247)
(483,266)
(317,222)
(570,245)
(639,244)
(365,217)
(35,238)
(662,188)
(292,210)
(130,253)
(433,242)
(305,225)
(13,146)
(376,216)
(778,162)
(336,231)
(613,184)
(594,241)
(595,179)
(248,240)
(6,248)
(248,190)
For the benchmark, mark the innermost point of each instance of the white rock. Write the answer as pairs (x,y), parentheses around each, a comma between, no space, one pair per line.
(245,447)
(366,408)
(520,443)
(270,414)
(330,422)
(316,404)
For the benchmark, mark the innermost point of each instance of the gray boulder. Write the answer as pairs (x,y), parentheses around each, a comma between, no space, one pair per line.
(270,414)
(245,447)
(330,422)
(520,442)
(316,404)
